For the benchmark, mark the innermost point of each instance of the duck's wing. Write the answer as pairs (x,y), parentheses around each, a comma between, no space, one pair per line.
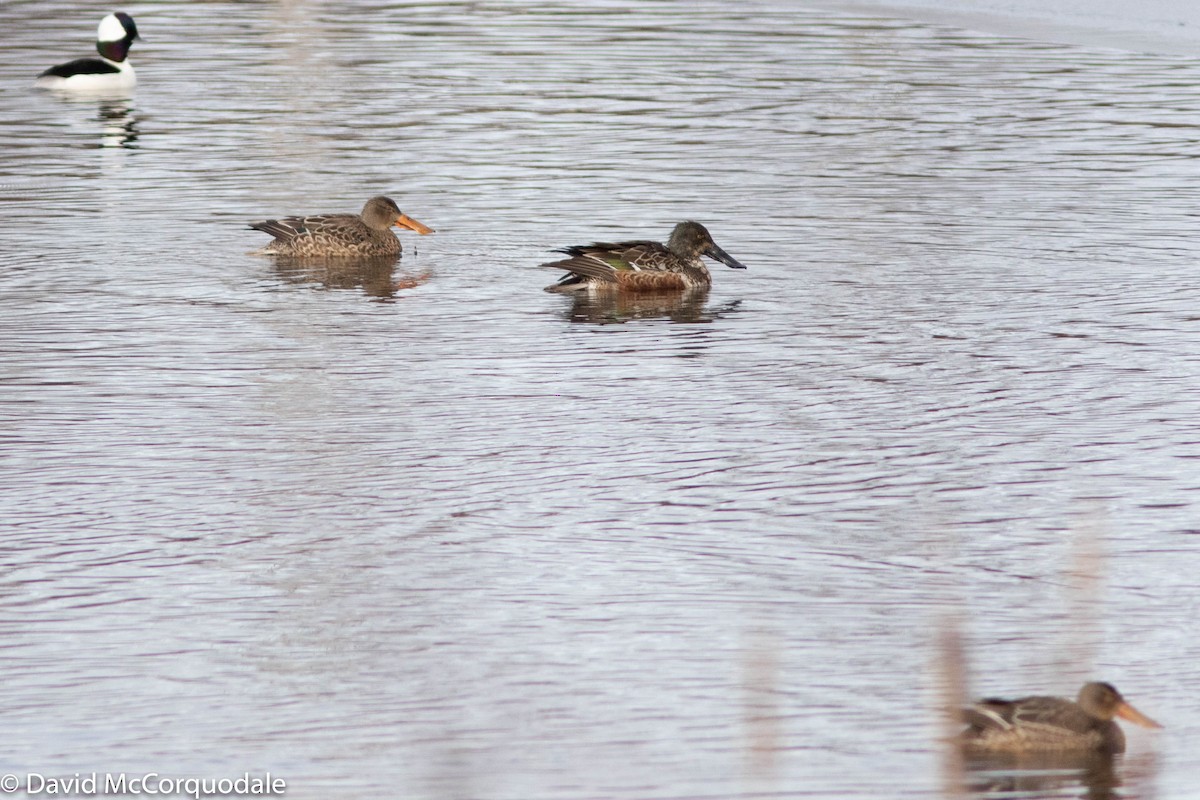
(602,260)
(649,257)
(81,66)
(1044,714)
(1052,713)
(283,230)
(990,714)
(339,226)
(342,227)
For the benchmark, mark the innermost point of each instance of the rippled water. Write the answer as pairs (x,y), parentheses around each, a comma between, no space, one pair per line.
(423,530)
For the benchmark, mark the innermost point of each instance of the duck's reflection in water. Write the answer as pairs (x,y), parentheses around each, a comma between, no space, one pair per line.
(616,307)
(1095,775)
(375,276)
(115,113)
(119,125)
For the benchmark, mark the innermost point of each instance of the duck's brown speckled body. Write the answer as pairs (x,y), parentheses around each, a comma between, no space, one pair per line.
(642,266)
(343,235)
(1051,724)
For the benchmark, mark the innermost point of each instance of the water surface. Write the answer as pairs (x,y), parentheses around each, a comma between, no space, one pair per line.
(426,531)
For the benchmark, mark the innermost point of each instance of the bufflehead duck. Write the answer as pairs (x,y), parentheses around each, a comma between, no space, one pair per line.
(366,234)
(109,72)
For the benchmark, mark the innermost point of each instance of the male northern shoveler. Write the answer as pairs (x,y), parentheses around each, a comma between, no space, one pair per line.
(642,265)
(356,235)
(1051,724)
(110,72)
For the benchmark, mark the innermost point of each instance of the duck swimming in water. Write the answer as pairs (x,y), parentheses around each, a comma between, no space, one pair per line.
(1051,724)
(353,235)
(642,266)
(111,72)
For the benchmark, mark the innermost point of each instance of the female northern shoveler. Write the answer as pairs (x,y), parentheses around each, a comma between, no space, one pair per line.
(1051,724)
(368,234)
(110,72)
(641,265)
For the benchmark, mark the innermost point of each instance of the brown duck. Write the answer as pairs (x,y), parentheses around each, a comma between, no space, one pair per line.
(1051,724)
(366,234)
(642,266)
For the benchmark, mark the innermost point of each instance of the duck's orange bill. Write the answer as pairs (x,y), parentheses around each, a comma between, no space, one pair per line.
(1126,711)
(405,221)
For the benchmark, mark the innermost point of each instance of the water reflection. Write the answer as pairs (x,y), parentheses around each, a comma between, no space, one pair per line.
(1044,775)
(118,124)
(612,308)
(375,276)
(114,111)
(536,576)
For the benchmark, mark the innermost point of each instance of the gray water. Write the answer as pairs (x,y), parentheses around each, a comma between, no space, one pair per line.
(426,531)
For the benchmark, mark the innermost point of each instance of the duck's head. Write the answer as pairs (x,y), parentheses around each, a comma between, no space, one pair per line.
(114,36)
(1103,701)
(691,239)
(382,213)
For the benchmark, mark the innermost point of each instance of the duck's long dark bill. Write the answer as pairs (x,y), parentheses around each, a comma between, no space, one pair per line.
(720,255)
(1126,711)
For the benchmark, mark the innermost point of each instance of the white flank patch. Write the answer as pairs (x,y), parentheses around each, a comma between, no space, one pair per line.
(102,83)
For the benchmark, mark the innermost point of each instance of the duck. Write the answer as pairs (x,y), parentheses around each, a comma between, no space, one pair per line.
(642,266)
(110,72)
(354,235)
(1042,724)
